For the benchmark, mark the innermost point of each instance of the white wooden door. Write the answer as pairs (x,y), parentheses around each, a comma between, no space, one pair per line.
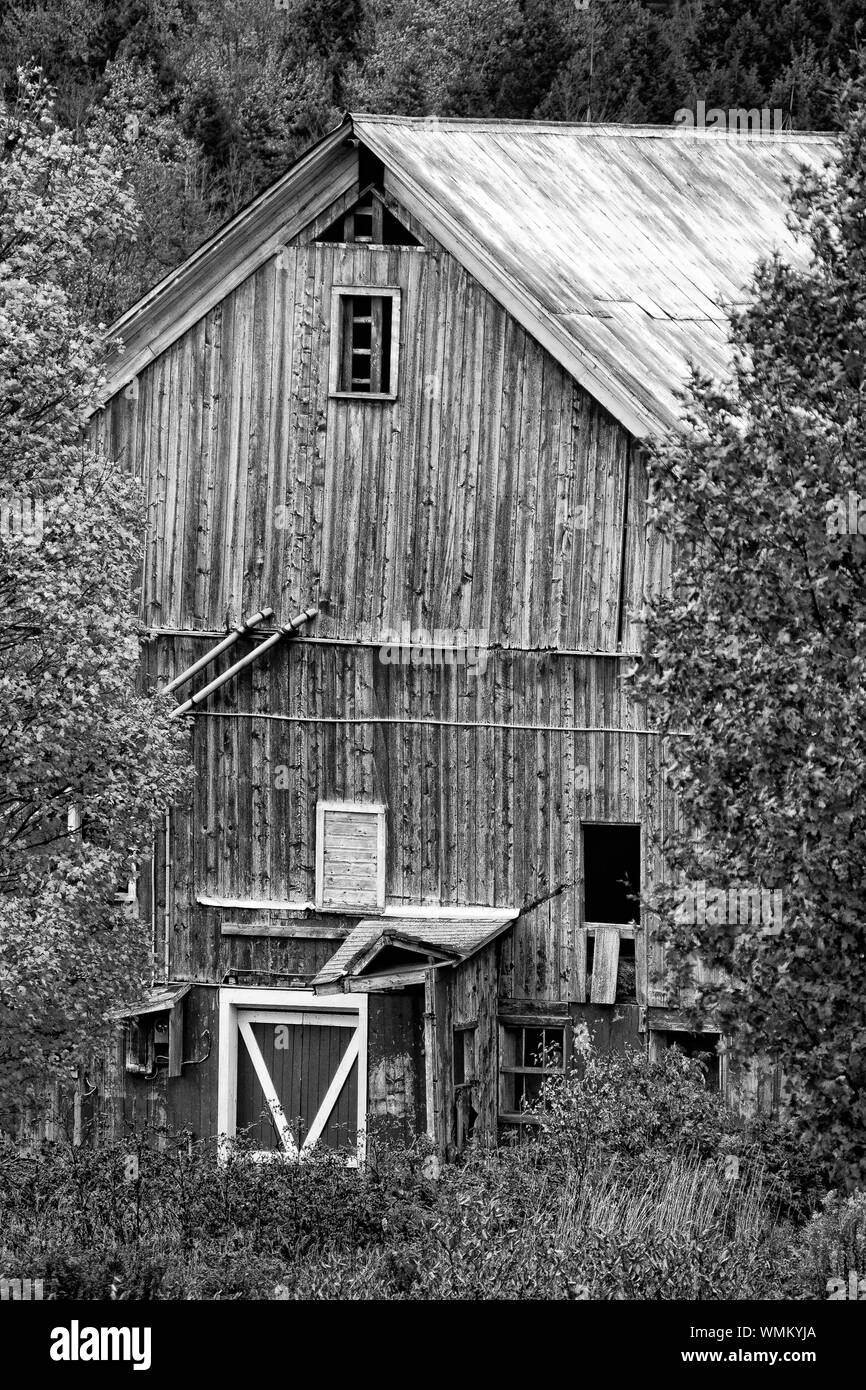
(296,1073)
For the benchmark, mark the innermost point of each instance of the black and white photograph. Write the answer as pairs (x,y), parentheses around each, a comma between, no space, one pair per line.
(432,671)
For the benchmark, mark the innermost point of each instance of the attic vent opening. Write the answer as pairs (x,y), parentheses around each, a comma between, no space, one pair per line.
(362,222)
(368,222)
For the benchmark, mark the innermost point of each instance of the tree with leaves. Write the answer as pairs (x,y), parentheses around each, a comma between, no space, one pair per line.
(166,174)
(420,57)
(255,89)
(87,761)
(758,656)
(234,90)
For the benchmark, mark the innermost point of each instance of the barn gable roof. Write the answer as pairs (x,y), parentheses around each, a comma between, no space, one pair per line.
(614,246)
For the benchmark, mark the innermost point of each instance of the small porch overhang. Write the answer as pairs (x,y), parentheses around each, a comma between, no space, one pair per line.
(155,1001)
(382,953)
(166,999)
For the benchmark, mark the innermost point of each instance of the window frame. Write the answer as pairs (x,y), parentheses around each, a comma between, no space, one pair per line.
(663,1036)
(464,1081)
(140,1023)
(141,1056)
(74,823)
(631,931)
(372,808)
(338,294)
(463,1034)
(523,1025)
(626,929)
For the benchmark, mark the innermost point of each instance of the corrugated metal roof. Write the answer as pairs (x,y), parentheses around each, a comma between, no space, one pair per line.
(455,937)
(613,245)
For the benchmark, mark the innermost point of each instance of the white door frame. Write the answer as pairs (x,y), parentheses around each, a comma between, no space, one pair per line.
(273,1006)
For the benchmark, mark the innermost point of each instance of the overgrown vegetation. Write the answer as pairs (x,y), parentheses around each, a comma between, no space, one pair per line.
(640,1206)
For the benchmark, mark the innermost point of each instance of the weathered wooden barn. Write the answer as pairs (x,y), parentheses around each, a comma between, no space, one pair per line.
(390,422)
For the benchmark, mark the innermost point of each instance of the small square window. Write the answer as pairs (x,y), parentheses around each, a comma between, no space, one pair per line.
(365,340)
(154,1031)
(704,1047)
(147,1043)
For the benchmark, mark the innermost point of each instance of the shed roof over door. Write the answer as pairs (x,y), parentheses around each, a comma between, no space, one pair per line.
(452,938)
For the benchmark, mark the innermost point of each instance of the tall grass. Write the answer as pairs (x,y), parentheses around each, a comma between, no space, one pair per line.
(503,1224)
(688,1197)
(621,1194)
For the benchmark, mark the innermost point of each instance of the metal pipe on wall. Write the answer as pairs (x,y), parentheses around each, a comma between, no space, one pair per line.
(239,630)
(285,631)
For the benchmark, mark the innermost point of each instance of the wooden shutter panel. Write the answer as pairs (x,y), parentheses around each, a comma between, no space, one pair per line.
(350,856)
(605,963)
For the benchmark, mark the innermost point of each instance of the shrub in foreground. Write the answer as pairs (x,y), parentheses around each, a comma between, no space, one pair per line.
(623,1192)
(642,1112)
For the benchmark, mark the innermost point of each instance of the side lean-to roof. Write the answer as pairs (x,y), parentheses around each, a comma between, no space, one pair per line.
(614,246)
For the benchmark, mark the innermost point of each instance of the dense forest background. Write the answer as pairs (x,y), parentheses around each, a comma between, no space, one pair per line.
(207,101)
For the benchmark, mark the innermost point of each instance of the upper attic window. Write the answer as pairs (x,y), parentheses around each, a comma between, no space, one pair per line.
(368,222)
(365,341)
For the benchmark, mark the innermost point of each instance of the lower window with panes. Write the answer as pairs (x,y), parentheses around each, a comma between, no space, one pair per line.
(529,1053)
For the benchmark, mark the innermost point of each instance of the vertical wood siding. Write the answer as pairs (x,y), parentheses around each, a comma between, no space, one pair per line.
(493,499)
(486,815)
(489,496)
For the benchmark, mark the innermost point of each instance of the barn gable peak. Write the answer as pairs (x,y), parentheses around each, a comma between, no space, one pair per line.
(618,248)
